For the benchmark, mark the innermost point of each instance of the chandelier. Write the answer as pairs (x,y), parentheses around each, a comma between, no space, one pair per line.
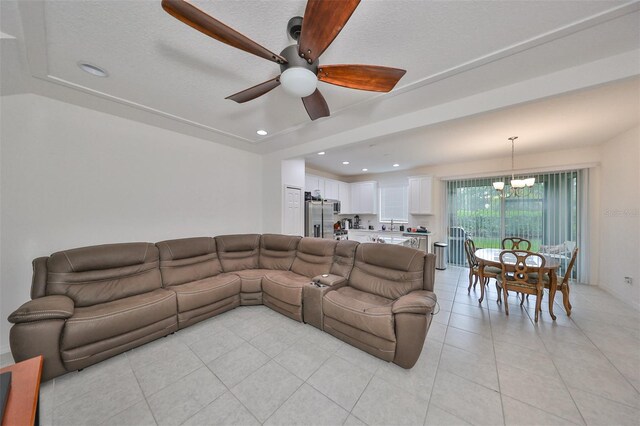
(516,184)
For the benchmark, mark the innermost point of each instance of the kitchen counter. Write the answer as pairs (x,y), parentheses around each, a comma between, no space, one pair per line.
(395,237)
(401,241)
(395,231)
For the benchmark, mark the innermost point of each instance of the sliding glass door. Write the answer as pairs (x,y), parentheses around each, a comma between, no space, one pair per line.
(547,214)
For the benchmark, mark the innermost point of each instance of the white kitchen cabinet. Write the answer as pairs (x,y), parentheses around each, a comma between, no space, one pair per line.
(344,195)
(313,183)
(364,198)
(331,189)
(420,188)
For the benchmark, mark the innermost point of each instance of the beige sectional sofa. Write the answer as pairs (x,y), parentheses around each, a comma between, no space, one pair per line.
(92,303)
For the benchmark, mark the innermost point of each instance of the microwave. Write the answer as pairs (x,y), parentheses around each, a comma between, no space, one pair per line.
(336,205)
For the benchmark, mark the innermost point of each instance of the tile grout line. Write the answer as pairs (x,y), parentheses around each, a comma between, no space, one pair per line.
(604,355)
(608,360)
(565,384)
(435,377)
(443,343)
(144,397)
(495,357)
(223,383)
(536,331)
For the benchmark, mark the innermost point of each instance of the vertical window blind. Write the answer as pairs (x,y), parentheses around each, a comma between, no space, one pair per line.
(548,214)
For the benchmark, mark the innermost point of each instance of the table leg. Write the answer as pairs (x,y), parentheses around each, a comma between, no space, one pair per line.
(553,277)
(481,272)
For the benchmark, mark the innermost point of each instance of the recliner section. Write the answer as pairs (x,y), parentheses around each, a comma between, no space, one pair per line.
(95,302)
(191,269)
(283,289)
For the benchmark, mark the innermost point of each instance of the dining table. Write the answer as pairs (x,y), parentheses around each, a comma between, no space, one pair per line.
(491,257)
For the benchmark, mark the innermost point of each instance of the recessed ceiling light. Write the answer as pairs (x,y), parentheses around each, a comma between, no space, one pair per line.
(345,162)
(262,132)
(321,153)
(396,165)
(92,69)
(365,170)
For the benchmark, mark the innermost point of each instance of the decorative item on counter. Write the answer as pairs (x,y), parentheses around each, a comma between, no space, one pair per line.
(384,228)
(337,226)
(402,228)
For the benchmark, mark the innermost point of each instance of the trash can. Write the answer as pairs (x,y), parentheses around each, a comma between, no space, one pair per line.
(440,250)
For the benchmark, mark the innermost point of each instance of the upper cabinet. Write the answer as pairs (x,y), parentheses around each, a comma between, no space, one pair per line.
(344,195)
(314,183)
(420,195)
(364,198)
(331,189)
(355,198)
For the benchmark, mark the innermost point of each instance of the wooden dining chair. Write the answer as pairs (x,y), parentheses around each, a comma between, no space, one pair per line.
(563,282)
(515,276)
(474,271)
(516,243)
(474,268)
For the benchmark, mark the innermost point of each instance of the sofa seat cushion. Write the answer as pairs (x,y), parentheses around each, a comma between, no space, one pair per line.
(204,292)
(285,286)
(251,279)
(364,311)
(94,323)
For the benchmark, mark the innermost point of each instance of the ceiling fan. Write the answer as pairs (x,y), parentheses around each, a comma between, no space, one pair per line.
(299,66)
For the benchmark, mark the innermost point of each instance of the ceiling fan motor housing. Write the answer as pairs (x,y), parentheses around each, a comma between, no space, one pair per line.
(294,27)
(290,53)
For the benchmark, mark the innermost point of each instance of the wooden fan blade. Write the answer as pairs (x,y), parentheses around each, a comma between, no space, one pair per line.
(362,77)
(315,105)
(255,91)
(206,24)
(323,20)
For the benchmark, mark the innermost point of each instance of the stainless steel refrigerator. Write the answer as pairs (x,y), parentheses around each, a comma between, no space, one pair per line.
(318,219)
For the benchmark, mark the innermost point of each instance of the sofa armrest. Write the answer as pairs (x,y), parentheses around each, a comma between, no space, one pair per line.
(416,302)
(43,308)
(329,280)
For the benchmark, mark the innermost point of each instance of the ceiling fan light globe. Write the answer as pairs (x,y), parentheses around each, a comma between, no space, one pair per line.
(499,186)
(299,82)
(530,181)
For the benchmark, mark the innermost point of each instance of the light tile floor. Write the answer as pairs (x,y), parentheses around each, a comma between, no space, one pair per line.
(252,365)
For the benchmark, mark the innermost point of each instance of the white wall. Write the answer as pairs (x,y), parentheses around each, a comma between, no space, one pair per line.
(436,223)
(71,177)
(620,216)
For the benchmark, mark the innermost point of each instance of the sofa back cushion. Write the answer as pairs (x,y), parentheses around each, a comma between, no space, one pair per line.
(188,259)
(344,258)
(99,274)
(314,256)
(277,251)
(387,270)
(238,252)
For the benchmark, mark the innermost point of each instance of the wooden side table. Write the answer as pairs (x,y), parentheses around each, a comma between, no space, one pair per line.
(22,404)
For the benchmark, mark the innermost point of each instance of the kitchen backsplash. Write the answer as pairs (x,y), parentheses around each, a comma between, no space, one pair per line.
(372,219)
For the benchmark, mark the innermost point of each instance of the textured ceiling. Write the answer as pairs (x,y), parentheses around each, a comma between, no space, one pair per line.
(577,119)
(450,49)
